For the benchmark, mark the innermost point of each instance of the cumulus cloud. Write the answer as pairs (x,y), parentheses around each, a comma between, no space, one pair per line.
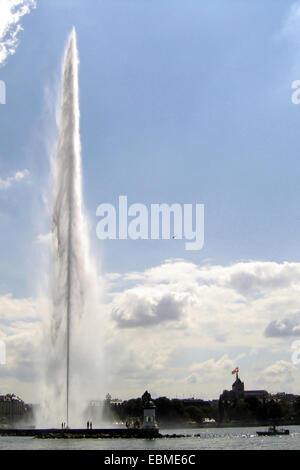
(133,310)
(263,277)
(11,12)
(22,351)
(285,327)
(181,328)
(6,183)
(213,369)
(12,309)
(195,316)
(279,376)
(21,332)
(218,299)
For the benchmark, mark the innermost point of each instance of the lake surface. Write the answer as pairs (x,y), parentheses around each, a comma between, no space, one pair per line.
(210,439)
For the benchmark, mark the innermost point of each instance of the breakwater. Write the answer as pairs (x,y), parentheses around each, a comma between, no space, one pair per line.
(82,433)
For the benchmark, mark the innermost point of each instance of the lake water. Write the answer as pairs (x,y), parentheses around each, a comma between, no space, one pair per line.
(210,439)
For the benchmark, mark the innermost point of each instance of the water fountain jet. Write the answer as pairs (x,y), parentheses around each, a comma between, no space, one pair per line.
(75,284)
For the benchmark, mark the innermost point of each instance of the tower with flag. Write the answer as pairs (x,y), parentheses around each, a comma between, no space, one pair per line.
(229,398)
(238,385)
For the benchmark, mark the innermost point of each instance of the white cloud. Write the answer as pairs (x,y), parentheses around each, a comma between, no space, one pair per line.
(216,316)
(44,238)
(212,370)
(6,183)
(137,310)
(21,332)
(290,35)
(11,12)
(179,328)
(280,376)
(219,300)
(285,327)
(12,309)
(292,22)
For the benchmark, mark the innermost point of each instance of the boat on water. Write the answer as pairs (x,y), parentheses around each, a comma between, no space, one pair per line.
(272,431)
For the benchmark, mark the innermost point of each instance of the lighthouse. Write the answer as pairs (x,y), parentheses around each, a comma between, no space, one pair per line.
(149,419)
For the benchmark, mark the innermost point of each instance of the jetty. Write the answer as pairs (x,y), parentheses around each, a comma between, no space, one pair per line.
(56,433)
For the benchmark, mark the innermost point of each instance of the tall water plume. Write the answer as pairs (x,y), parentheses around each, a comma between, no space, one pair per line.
(73,371)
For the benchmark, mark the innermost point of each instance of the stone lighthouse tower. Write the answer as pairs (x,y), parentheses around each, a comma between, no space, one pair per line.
(149,420)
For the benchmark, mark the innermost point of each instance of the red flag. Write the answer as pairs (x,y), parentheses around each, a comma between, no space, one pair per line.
(235,371)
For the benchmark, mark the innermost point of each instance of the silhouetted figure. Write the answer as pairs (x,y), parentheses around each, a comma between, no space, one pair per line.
(146,397)
(88,424)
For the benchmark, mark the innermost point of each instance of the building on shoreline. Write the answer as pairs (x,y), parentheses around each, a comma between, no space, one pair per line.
(238,392)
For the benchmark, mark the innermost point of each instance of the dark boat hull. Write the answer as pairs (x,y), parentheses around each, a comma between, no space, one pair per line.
(286,432)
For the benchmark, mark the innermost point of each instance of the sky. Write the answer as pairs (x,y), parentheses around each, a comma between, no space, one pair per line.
(181,102)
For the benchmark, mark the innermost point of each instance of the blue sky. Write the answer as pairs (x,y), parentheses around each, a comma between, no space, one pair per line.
(181,101)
